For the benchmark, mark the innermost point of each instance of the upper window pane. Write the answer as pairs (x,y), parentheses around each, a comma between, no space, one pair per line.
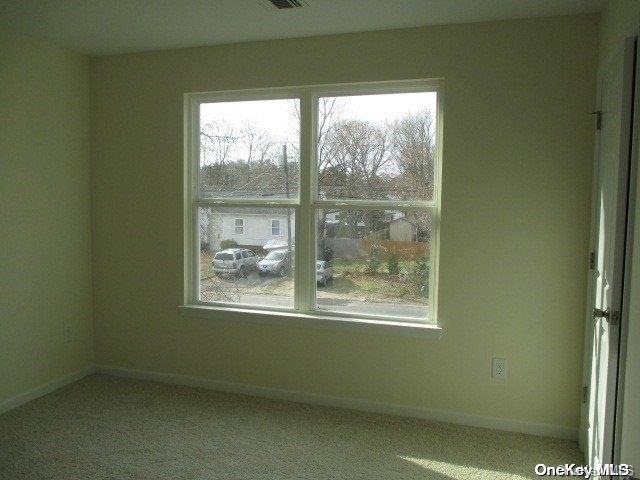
(377,147)
(250,149)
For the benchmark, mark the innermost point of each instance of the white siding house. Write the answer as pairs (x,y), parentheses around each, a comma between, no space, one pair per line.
(246,229)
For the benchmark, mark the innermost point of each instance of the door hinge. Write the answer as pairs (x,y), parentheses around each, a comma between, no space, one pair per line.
(585,394)
(592,261)
(598,115)
(613,317)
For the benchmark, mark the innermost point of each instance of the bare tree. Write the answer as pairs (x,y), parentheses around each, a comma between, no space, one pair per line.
(357,161)
(357,167)
(414,154)
(414,150)
(239,161)
(329,113)
(217,140)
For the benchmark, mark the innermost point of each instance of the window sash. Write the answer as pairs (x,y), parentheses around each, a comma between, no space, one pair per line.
(307,202)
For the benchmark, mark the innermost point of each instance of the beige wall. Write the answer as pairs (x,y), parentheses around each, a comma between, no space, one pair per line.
(45,244)
(518,150)
(621,19)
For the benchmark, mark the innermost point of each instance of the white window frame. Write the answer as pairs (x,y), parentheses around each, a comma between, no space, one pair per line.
(235,226)
(279,227)
(306,203)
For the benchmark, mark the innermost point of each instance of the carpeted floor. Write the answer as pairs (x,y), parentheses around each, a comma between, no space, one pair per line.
(110,428)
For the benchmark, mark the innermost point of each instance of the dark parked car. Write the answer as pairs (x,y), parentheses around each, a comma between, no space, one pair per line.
(277,262)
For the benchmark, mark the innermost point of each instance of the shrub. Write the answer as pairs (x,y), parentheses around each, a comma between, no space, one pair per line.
(419,276)
(373,259)
(224,244)
(393,265)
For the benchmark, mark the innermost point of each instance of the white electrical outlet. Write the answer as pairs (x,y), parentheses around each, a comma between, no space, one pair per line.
(499,368)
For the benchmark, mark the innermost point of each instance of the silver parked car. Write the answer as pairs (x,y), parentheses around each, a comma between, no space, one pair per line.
(234,261)
(277,262)
(324,272)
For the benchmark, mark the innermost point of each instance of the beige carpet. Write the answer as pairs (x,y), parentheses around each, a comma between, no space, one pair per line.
(110,428)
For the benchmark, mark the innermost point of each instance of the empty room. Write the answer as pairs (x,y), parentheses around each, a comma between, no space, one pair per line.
(319,239)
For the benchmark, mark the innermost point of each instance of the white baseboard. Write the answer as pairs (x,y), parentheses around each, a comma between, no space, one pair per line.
(532,428)
(48,387)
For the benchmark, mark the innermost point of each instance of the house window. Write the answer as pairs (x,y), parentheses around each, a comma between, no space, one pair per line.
(239,223)
(275,227)
(355,172)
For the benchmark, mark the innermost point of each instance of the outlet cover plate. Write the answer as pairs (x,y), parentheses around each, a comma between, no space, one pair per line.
(499,368)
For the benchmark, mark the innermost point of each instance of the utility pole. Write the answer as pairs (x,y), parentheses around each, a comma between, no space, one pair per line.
(286,189)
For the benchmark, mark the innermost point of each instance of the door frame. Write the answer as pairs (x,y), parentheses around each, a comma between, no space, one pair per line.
(627,173)
(632,129)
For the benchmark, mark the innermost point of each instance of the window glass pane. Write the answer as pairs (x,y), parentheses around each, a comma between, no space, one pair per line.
(380,147)
(250,149)
(229,273)
(374,262)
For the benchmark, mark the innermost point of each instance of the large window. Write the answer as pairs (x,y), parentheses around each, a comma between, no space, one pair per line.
(322,200)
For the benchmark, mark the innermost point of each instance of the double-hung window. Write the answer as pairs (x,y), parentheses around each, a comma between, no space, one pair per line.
(346,177)
(239,226)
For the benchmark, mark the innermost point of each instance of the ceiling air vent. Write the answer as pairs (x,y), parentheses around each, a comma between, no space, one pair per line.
(286,4)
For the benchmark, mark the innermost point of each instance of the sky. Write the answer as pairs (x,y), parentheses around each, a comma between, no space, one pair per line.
(278,119)
(274,116)
(379,108)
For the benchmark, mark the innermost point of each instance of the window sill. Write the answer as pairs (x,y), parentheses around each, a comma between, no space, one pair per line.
(423,330)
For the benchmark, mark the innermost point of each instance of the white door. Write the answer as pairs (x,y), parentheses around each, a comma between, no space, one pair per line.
(608,243)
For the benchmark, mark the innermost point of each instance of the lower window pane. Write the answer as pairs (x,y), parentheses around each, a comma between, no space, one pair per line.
(374,262)
(243,259)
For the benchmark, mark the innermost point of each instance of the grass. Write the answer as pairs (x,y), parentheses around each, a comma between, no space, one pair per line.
(372,288)
(206,265)
(353,277)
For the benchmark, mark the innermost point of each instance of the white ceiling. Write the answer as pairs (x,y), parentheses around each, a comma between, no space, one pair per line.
(99,27)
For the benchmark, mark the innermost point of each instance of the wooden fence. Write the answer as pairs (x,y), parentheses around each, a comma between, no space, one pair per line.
(353,248)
